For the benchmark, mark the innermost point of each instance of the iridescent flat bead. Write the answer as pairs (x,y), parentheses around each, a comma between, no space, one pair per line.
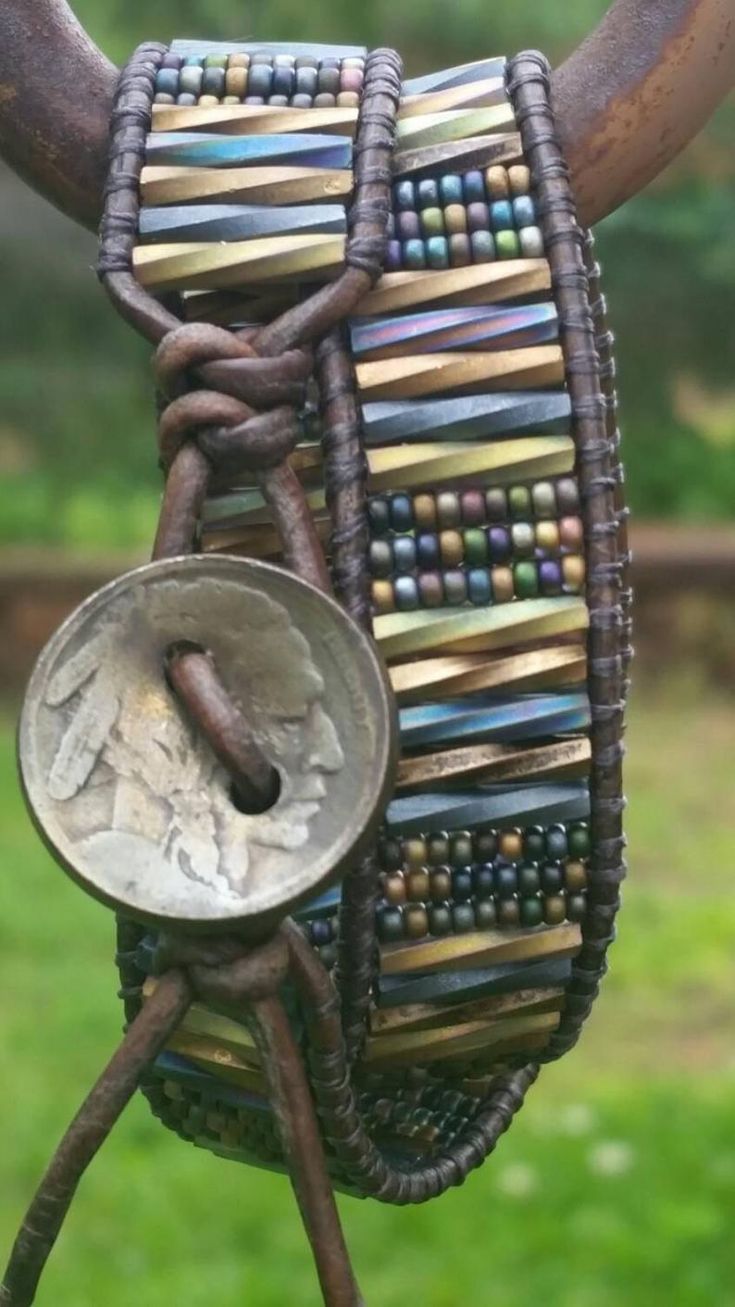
(557,846)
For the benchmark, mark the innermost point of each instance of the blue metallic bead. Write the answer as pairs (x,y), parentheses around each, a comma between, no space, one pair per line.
(404,196)
(437,252)
(414,255)
(479,590)
(378,515)
(450,189)
(552,877)
(213,82)
(473,184)
(284,78)
(393,257)
(427,549)
(524,211)
(557,846)
(483,246)
(506,880)
(406,593)
(427,193)
(321,932)
(484,881)
(186,99)
(167,81)
(404,553)
(194,61)
(499,544)
(550,577)
(401,513)
(501,214)
(462,885)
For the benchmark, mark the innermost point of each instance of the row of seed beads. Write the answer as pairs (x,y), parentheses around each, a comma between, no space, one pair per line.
(443,884)
(281,80)
(427,549)
(462,218)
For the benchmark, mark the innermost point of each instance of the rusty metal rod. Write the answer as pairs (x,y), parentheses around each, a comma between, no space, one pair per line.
(87,1132)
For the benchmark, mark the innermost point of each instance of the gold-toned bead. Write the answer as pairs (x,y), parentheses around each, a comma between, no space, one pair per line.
(573,571)
(575,877)
(238,61)
(555,909)
(207,101)
(348,100)
(502,579)
(424,511)
(510,845)
(382,597)
(440,884)
(571,533)
(547,535)
(497,183)
(236,81)
(416,921)
(519,176)
(455,219)
(230,99)
(417,886)
(414,854)
(451,548)
(394,888)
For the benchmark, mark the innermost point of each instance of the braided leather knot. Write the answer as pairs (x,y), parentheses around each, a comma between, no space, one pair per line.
(225,971)
(247,417)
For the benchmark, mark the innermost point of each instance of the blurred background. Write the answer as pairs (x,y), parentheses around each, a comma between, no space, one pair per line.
(617,1183)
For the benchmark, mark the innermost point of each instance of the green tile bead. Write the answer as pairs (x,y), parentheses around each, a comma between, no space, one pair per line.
(532,912)
(507,244)
(519,502)
(440,919)
(486,915)
(437,850)
(463,918)
(450,189)
(414,255)
(525,580)
(483,246)
(475,547)
(437,251)
(534,843)
(529,880)
(432,222)
(578,838)
(576,907)
(460,250)
(523,537)
(461,850)
(215,61)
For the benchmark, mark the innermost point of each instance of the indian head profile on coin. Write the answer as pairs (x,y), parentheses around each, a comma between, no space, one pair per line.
(135,801)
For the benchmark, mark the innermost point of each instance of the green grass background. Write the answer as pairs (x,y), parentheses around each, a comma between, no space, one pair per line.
(616,1185)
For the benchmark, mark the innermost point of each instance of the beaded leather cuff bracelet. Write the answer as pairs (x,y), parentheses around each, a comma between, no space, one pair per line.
(384,375)
(479,534)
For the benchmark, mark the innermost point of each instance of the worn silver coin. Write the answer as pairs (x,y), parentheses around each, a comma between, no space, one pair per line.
(133,801)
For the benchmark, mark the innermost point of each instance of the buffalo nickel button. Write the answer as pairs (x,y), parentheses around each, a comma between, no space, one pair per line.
(133,801)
